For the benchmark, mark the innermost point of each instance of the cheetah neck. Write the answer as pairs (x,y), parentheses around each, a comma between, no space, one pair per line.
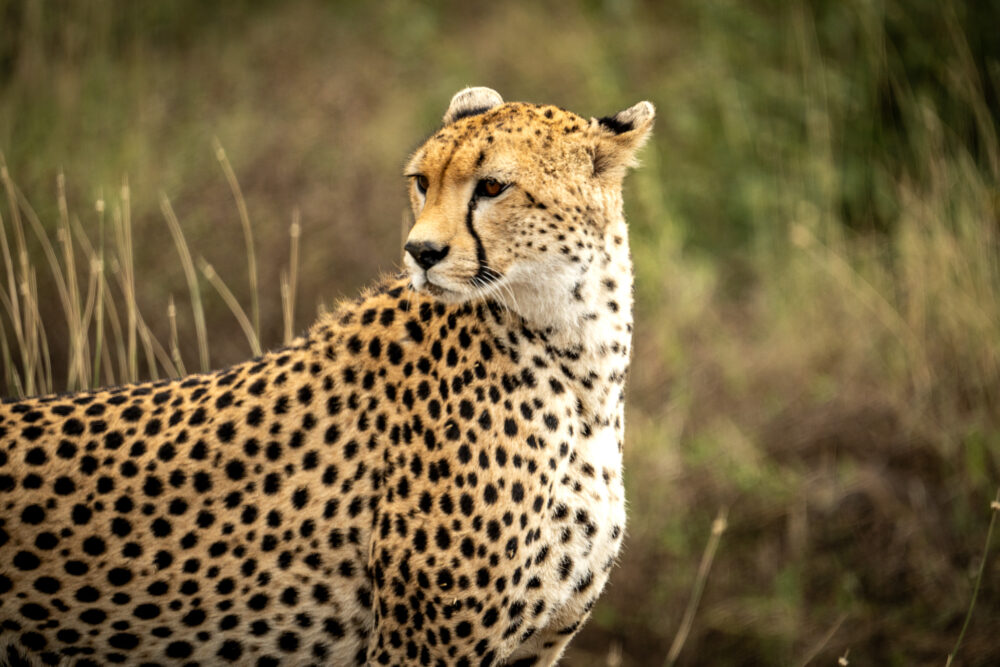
(584,307)
(583,320)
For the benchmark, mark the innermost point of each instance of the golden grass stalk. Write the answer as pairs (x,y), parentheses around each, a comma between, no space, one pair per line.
(41,345)
(234,305)
(155,352)
(76,371)
(10,303)
(31,337)
(175,350)
(120,348)
(994,509)
(116,342)
(289,281)
(192,280)
(707,557)
(138,331)
(12,378)
(24,329)
(45,385)
(97,265)
(234,186)
(83,342)
(821,644)
(123,240)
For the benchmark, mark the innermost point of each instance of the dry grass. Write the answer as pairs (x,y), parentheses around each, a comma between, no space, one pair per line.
(107,338)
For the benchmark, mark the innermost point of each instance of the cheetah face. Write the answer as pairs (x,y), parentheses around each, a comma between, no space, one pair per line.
(514,201)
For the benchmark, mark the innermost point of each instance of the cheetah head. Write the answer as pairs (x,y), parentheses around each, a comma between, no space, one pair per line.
(515,201)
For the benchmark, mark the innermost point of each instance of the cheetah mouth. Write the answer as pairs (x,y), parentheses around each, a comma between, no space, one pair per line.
(421,282)
(434,289)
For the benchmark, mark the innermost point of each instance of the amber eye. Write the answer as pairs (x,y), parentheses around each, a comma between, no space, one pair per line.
(489,187)
(422,183)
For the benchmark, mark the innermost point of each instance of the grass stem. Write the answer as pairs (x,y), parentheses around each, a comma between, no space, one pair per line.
(994,509)
(718,528)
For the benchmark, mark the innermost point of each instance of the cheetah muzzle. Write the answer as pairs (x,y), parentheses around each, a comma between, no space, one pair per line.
(431,475)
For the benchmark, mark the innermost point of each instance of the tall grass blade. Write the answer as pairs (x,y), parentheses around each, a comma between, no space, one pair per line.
(97,261)
(76,368)
(192,280)
(289,282)
(123,238)
(994,509)
(234,186)
(18,285)
(708,556)
(234,305)
(175,350)
(13,381)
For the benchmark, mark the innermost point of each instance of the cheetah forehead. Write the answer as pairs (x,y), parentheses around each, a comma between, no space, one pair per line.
(476,132)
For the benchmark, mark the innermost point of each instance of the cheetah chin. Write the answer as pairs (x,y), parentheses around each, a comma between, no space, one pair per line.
(431,475)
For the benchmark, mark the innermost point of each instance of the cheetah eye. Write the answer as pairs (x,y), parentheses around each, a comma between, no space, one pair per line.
(422,183)
(489,187)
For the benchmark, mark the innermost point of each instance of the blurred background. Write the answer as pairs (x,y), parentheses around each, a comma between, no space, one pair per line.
(814,227)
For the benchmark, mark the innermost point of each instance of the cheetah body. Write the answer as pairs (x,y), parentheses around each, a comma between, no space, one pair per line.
(431,475)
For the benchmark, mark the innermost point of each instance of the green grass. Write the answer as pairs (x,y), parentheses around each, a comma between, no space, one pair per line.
(814,229)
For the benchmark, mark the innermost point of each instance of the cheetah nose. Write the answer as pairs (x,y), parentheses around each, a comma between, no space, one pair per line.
(427,253)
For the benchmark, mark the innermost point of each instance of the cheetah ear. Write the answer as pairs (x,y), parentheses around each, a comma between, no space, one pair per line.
(617,138)
(471,102)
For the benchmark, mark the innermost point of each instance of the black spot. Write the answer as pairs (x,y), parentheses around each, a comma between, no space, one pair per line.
(490,494)
(161,527)
(415,331)
(35,612)
(123,640)
(288,642)
(76,567)
(32,433)
(193,618)
(87,594)
(94,546)
(226,431)
(63,486)
(33,515)
(146,611)
(179,649)
(153,487)
(615,125)
(68,636)
(395,353)
(231,650)
(132,413)
(73,426)
(66,450)
(93,616)
(36,456)
(119,576)
(235,470)
(258,601)
(46,585)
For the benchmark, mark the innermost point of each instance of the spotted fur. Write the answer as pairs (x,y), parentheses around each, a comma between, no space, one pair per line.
(432,475)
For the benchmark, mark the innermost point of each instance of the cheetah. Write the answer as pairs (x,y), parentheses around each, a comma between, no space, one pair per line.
(431,474)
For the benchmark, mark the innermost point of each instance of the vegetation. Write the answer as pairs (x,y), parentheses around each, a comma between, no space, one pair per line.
(815,231)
